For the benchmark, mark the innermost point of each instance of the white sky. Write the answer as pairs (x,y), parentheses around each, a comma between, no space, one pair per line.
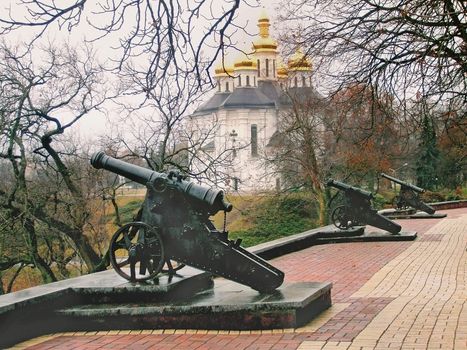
(96,123)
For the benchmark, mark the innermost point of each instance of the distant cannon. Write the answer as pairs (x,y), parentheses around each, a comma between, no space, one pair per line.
(174,225)
(409,196)
(357,209)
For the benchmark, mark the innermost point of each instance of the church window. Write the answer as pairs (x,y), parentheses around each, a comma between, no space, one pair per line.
(239,80)
(236,180)
(303,81)
(273,68)
(267,67)
(254,140)
(254,81)
(247,80)
(310,80)
(219,87)
(295,82)
(259,67)
(227,86)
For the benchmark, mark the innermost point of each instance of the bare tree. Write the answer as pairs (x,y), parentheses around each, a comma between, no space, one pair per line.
(404,47)
(163,54)
(44,202)
(298,149)
(169,36)
(160,132)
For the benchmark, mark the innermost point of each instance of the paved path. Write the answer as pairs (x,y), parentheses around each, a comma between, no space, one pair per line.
(386,295)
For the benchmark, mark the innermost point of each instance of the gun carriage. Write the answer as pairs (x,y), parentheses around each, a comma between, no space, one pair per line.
(357,210)
(409,196)
(174,226)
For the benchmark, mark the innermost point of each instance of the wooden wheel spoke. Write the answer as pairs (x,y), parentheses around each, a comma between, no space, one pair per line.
(137,252)
(126,239)
(132,271)
(121,244)
(123,262)
(143,266)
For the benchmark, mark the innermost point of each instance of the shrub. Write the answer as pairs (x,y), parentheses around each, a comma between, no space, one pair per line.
(278,216)
(430,197)
(126,211)
(379,202)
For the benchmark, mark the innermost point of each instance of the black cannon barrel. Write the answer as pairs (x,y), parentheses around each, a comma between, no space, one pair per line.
(100,160)
(214,198)
(344,187)
(403,183)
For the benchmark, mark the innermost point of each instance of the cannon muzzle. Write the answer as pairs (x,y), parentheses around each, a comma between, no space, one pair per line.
(347,188)
(403,183)
(100,160)
(213,199)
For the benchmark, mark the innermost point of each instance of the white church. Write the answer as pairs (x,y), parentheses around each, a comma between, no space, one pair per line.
(244,112)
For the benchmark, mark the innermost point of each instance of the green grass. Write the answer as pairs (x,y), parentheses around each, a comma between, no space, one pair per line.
(126,211)
(275,217)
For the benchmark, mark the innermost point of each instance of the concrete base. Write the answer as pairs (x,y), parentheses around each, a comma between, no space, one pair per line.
(285,245)
(371,236)
(326,235)
(409,214)
(394,212)
(377,236)
(33,312)
(228,305)
(184,284)
(423,215)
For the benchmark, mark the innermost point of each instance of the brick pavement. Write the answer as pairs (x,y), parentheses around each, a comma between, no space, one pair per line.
(386,295)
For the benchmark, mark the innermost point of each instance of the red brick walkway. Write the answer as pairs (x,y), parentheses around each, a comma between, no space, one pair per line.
(347,265)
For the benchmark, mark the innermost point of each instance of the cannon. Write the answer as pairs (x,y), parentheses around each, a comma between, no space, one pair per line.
(357,209)
(409,196)
(173,227)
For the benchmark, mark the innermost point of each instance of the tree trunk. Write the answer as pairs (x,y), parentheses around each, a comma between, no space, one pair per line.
(322,217)
(87,253)
(12,280)
(104,263)
(2,291)
(45,270)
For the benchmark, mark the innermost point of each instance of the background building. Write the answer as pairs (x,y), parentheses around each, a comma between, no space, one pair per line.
(242,116)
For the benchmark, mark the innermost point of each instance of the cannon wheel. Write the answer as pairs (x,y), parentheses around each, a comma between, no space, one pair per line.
(172,266)
(137,252)
(399,203)
(341,218)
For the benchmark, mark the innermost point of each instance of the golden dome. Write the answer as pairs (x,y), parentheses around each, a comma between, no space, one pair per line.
(223,70)
(299,61)
(265,43)
(263,16)
(245,63)
(282,71)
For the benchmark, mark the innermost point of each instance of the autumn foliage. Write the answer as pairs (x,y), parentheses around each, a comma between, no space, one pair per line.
(364,137)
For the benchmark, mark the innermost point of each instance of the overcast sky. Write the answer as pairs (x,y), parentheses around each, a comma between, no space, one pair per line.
(95,123)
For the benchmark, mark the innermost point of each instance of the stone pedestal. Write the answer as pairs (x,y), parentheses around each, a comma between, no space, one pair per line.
(227,306)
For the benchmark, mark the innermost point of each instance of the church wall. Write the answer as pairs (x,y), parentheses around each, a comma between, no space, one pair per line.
(225,84)
(247,166)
